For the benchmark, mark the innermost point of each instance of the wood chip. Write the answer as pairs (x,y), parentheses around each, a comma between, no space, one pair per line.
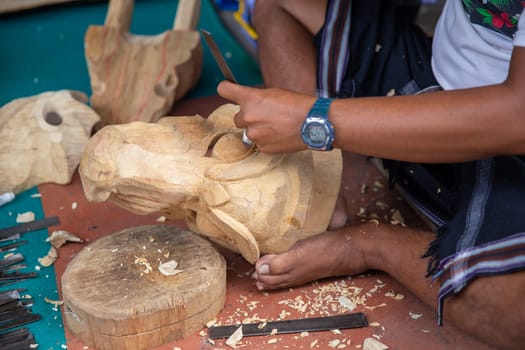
(60,237)
(235,338)
(49,259)
(169,268)
(373,344)
(28,216)
(395,295)
(414,316)
(56,303)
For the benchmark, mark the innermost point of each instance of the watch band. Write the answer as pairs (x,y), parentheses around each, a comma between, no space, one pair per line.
(320,107)
(317,132)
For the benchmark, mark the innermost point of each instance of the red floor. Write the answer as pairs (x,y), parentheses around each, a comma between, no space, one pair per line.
(400,324)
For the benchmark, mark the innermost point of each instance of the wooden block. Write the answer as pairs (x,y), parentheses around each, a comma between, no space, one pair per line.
(137,77)
(115,297)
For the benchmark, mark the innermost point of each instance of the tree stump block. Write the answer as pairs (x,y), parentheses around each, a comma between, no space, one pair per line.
(115,297)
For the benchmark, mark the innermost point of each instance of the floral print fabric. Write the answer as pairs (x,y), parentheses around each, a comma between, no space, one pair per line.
(501,16)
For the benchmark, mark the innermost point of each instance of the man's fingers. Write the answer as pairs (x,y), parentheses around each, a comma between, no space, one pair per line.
(227,90)
(234,92)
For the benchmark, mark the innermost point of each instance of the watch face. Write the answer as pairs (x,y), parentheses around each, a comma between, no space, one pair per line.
(317,133)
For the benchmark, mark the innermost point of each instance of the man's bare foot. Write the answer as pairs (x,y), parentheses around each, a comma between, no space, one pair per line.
(333,253)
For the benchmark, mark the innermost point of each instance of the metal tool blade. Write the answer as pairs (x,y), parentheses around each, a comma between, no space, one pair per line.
(28,226)
(354,320)
(219,58)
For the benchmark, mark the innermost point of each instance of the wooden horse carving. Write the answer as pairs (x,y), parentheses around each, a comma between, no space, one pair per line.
(140,77)
(42,138)
(200,170)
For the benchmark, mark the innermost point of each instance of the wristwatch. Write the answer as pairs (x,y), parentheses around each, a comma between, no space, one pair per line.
(317,131)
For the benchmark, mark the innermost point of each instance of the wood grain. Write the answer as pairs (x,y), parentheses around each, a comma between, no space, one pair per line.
(112,302)
(137,77)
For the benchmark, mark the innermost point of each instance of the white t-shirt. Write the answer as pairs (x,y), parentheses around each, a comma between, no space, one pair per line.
(470,55)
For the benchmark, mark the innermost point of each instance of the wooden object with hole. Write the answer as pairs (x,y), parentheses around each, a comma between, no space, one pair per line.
(138,78)
(115,297)
(42,138)
(199,169)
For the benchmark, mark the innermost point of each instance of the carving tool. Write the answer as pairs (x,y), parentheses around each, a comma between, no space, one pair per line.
(11,231)
(11,246)
(225,69)
(17,339)
(219,58)
(346,321)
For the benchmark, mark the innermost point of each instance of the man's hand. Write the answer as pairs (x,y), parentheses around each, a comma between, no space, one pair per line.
(272,117)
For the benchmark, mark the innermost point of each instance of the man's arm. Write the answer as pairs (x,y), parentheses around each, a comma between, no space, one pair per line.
(446,126)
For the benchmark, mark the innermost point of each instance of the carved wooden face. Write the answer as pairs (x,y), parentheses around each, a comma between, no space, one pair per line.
(42,138)
(200,170)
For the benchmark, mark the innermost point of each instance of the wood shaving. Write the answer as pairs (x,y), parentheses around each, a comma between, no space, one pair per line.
(235,338)
(56,303)
(382,205)
(161,219)
(74,205)
(49,259)
(60,237)
(334,343)
(373,344)
(314,343)
(395,295)
(143,262)
(28,216)
(169,268)
(345,302)
(414,316)
(378,184)
(397,219)
(272,341)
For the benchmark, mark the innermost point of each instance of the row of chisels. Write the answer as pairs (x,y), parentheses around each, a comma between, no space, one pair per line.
(15,310)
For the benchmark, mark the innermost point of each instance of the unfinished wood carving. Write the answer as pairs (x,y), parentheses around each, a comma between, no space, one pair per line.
(137,78)
(199,169)
(42,138)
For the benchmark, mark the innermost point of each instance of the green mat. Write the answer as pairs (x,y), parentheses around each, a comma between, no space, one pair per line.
(43,50)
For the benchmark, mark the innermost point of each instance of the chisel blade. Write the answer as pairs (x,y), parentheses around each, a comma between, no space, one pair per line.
(219,58)
(346,321)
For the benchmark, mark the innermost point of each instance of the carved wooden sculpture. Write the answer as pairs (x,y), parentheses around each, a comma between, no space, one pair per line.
(42,138)
(199,169)
(140,77)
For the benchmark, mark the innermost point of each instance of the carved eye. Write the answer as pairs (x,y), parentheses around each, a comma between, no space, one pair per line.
(53,118)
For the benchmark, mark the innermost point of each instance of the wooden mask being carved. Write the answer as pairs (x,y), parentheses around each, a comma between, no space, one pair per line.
(42,138)
(199,169)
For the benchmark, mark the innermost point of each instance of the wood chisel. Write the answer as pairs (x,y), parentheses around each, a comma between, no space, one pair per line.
(221,62)
(346,321)
(7,233)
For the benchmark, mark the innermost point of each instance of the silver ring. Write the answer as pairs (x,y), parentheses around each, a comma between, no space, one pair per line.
(246,139)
